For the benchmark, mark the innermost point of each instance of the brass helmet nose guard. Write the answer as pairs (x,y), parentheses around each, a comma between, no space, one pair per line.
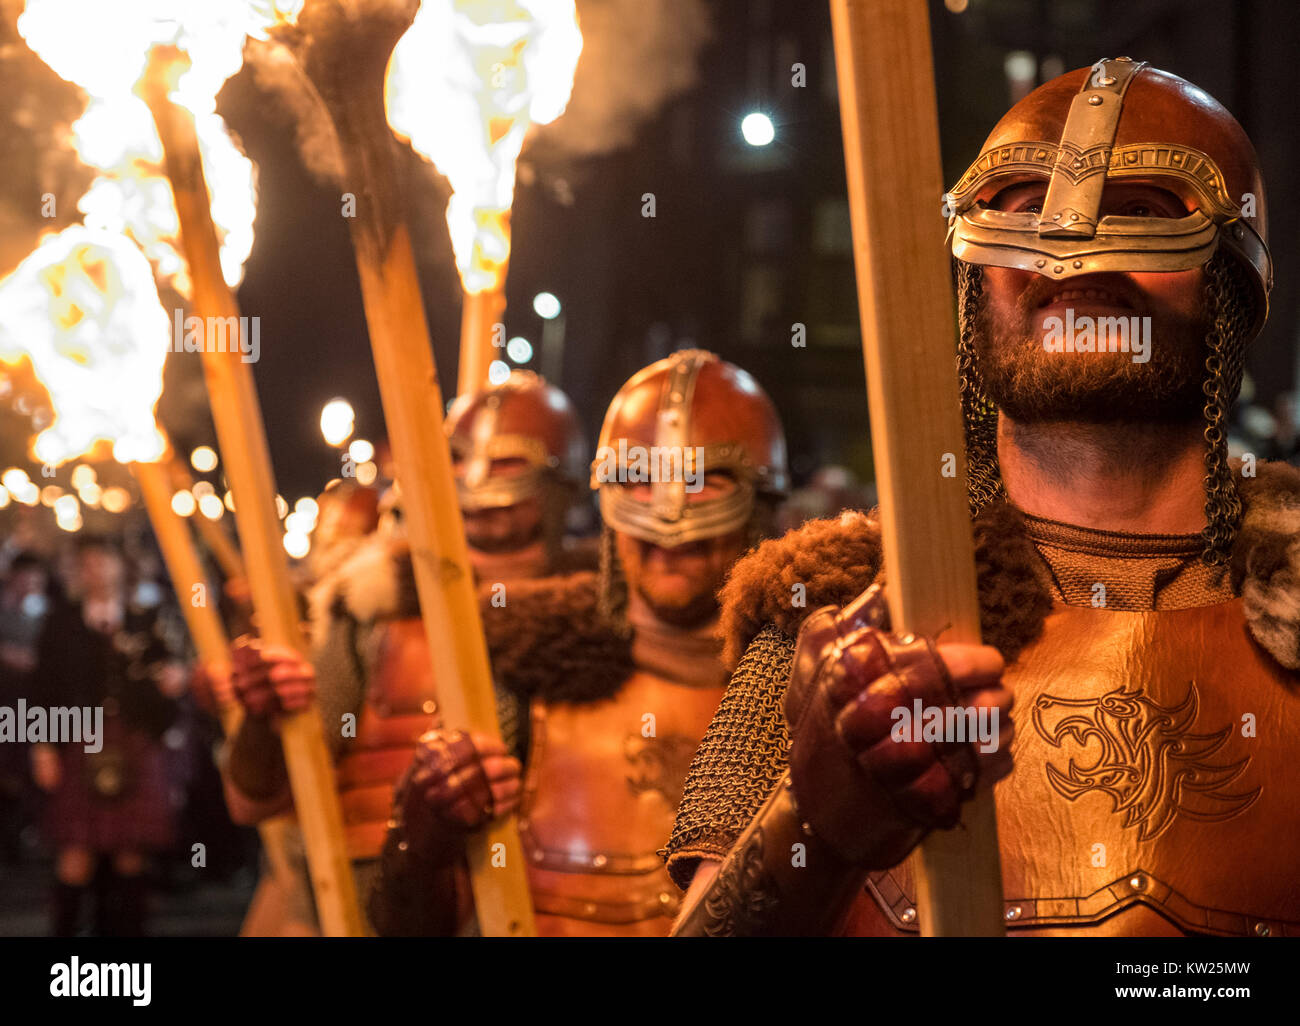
(1070,236)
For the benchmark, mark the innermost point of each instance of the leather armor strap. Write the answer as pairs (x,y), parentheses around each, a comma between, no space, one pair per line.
(778,880)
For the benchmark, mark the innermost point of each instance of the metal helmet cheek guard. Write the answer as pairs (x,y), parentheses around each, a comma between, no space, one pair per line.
(1118,120)
(670,424)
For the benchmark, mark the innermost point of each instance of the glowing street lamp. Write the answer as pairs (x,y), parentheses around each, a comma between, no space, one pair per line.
(757,128)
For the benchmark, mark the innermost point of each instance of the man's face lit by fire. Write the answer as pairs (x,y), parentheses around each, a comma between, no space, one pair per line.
(1031,384)
(680,584)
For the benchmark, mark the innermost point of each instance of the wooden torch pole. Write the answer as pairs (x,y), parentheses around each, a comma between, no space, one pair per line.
(345,59)
(891,151)
(213,534)
(204,623)
(242,437)
(480,314)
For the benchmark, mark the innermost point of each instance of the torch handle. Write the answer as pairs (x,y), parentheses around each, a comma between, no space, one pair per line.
(214,536)
(479,316)
(891,153)
(182,559)
(242,437)
(444,579)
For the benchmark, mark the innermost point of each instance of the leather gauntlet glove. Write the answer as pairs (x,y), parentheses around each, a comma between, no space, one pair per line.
(868,797)
(444,796)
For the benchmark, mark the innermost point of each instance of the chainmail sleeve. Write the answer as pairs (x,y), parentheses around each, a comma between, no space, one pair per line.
(740,760)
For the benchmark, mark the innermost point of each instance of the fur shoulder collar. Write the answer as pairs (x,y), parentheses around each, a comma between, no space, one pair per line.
(547,639)
(834,560)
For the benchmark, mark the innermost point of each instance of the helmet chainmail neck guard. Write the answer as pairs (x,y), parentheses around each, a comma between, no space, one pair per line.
(1229,315)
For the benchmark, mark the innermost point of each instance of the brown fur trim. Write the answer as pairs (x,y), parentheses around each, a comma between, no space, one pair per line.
(824,562)
(549,641)
(837,559)
(1265,561)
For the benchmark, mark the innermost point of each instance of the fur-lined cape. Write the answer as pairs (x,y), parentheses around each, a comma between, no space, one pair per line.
(835,560)
(549,640)
(545,638)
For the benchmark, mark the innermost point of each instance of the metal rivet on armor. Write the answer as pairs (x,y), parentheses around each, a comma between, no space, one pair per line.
(1109,80)
(1137,882)
(806,827)
(1058,268)
(430,706)
(599,861)
(1078,163)
(1078,263)
(402,846)
(538,855)
(589,908)
(1074,217)
(1040,263)
(906,639)
(665,897)
(1014,912)
(1127,59)
(391,824)
(1262,930)
(1056,217)
(789,784)
(908,915)
(1095,100)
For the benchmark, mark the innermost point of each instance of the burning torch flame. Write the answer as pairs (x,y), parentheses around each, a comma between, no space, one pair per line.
(84,308)
(464,85)
(104,48)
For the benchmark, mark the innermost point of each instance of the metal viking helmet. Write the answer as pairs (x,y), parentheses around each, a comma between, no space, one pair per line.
(709,416)
(1119,119)
(522,418)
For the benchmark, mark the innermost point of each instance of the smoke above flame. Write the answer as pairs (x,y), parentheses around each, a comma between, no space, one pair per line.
(465,84)
(84,309)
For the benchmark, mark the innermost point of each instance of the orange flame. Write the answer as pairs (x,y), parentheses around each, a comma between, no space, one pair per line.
(104,48)
(84,309)
(464,85)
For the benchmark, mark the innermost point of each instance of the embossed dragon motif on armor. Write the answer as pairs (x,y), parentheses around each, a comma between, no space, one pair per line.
(659,764)
(1147,759)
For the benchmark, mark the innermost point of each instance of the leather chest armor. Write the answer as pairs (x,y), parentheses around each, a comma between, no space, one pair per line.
(602,785)
(1154,790)
(399,706)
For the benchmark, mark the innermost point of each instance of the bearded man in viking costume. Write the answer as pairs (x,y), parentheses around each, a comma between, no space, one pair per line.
(519,459)
(1138,591)
(607,681)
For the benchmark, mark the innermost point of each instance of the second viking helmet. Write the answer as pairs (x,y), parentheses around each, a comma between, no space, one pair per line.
(523,418)
(1117,120)
(682,417)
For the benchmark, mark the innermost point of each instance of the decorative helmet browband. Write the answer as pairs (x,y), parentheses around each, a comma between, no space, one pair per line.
(683,417)
(1119,120)
(524,418)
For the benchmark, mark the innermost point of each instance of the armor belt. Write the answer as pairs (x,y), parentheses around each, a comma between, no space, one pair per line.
(598,802)
(1137,806)
(399,707)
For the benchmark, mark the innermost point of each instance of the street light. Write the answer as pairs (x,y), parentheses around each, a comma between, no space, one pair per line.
(547,305)
(757,128)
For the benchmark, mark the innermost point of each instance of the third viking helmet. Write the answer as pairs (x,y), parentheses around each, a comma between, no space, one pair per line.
(674,421)
(523,418)
(1117,120)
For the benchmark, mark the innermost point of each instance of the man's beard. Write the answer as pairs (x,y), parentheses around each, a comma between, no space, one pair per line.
(1030,384)
(686,612)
